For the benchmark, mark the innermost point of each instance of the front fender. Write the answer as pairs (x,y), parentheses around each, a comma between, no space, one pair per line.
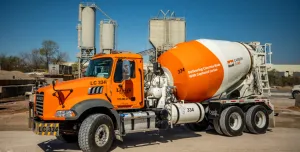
(84,105)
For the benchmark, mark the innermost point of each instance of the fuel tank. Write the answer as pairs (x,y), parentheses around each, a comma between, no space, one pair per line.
(204,68)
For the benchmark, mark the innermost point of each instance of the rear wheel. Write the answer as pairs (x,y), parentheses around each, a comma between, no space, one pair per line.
(257,119)
(295,93)
(96,133)
(216,123)
(232,121)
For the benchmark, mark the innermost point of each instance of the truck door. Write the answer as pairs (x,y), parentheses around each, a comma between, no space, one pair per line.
(126,94)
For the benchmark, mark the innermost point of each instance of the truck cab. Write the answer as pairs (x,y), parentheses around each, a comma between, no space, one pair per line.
(112,82)
(121,90)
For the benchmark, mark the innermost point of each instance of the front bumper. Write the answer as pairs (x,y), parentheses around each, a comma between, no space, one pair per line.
(40,127)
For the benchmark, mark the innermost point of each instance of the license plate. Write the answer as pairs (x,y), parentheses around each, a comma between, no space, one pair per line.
(48,129)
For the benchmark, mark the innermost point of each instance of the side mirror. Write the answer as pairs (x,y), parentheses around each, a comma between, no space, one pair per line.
(126,70)
(53,83)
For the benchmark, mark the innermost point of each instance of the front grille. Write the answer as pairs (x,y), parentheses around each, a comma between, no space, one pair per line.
(39,104)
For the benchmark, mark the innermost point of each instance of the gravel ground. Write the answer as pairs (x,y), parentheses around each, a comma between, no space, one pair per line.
(10,75)
(177,140)
(15,137)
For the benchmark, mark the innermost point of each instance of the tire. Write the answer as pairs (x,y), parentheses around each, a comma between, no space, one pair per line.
(257,119)
(68,138)
(237,115)
(201,126)
(295,93)
(89,132)
(216,123)
(246,129)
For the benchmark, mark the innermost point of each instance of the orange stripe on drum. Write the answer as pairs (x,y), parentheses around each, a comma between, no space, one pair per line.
(229,61)
(197,72)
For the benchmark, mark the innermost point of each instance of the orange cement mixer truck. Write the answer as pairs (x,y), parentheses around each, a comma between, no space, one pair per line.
(197,84)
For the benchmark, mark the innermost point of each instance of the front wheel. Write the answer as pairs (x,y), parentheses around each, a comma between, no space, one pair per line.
(96,133)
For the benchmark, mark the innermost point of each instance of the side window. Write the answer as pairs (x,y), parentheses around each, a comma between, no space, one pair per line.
(118,73)
(132,69)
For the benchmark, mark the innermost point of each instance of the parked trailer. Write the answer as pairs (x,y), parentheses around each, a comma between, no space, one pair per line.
(57,69)
(197,83)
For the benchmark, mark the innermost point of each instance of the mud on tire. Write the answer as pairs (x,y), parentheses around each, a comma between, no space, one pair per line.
(257,119)
(96,133)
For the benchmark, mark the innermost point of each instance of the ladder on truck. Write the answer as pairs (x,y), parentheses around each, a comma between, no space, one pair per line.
(263,80)
(262,67)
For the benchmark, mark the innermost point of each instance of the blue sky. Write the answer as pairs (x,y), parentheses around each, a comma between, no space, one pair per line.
(26,23)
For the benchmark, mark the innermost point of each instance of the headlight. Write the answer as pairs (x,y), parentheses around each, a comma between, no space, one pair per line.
(64,113)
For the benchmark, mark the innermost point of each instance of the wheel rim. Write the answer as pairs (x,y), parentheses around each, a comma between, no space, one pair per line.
(260,119)
(235,121)
(101,135)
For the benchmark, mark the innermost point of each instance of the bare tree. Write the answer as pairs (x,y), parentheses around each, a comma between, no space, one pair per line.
(48,50)
(10,62)
(38,58)
(59,57)
(33,60)
(51,53)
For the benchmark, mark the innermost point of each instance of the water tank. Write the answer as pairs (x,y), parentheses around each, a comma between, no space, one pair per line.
(107,35)
(88,27)
(205,68)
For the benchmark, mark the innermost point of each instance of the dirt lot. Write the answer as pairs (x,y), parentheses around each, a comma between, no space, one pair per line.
(176,140)
(285,137)
(14,115)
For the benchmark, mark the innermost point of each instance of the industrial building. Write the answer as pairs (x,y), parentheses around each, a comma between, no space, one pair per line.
(286,69)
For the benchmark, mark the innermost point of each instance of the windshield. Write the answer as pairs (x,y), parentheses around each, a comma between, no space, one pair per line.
(99,68)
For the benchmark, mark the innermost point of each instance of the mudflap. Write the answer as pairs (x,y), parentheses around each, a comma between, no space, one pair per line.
(214,110)
(272,116)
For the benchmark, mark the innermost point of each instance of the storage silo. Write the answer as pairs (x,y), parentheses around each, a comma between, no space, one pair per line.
(79,28)
(88,28)
(107,35)
(177,31)
(166,31)
(157,32)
